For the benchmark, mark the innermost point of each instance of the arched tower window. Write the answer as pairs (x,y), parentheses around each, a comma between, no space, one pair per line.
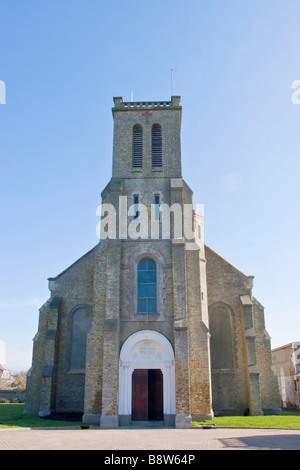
(156,146)
(146,288)
(137,146)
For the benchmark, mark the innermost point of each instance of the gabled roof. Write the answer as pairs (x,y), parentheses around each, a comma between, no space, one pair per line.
(227,262)
(73,264)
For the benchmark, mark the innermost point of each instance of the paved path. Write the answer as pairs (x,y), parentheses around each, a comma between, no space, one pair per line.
(150,439)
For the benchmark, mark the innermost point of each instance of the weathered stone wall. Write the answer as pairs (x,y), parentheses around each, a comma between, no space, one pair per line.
(270,397)
(35,373)
(250,383)
(95,340)
(225,284)
(13,395)
(125,117)
(51,384)
(199,350)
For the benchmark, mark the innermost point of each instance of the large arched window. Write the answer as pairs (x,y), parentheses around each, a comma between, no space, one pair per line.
(156,146)
(146,288)
(80,326)
(137,146)
(221,338)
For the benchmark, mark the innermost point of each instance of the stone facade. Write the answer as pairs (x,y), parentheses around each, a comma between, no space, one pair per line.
(206,331)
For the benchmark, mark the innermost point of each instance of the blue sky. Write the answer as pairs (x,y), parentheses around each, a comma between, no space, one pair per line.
(233,64)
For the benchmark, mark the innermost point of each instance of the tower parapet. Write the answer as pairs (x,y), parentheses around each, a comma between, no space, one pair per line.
(120,105)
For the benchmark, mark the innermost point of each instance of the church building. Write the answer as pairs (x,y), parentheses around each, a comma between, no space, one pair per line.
(151,324)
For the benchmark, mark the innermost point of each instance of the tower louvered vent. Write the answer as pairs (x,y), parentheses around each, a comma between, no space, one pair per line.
(137,147)
(156,146)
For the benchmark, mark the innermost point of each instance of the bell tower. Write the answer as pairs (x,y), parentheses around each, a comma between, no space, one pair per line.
(155,273)
(147,139)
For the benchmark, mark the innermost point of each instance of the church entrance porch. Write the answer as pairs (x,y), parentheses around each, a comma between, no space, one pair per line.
(147,395)
(146,379)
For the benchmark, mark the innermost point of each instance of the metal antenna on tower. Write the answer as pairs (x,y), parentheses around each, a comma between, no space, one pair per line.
(171,82)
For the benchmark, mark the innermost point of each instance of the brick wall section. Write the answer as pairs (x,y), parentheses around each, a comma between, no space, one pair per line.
(199,363)
(270,397)
(35,373)
(12,395)
(50,384)
(224,286)
(94,360)
(251,384)
(169,117)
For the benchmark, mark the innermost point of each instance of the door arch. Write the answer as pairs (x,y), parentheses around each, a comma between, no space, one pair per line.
(146,349)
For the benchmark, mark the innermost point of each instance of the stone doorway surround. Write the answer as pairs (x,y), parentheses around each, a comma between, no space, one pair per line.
(146,349)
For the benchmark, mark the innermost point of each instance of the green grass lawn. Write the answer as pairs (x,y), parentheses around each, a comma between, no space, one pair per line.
(11,416)
(288,420)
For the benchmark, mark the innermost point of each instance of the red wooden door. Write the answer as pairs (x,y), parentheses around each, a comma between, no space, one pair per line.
(155,395)
(147,395)
(140,395)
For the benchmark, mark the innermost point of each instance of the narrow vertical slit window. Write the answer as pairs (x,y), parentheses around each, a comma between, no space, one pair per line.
(156,146)
(137,146)
(156,203)
(136,203)
(199,231)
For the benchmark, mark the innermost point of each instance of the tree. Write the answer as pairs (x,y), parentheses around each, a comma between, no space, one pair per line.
(19,380)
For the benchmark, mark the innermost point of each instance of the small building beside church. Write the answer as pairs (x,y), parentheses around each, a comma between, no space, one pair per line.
(4,374)
(151,324)
(286,360)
